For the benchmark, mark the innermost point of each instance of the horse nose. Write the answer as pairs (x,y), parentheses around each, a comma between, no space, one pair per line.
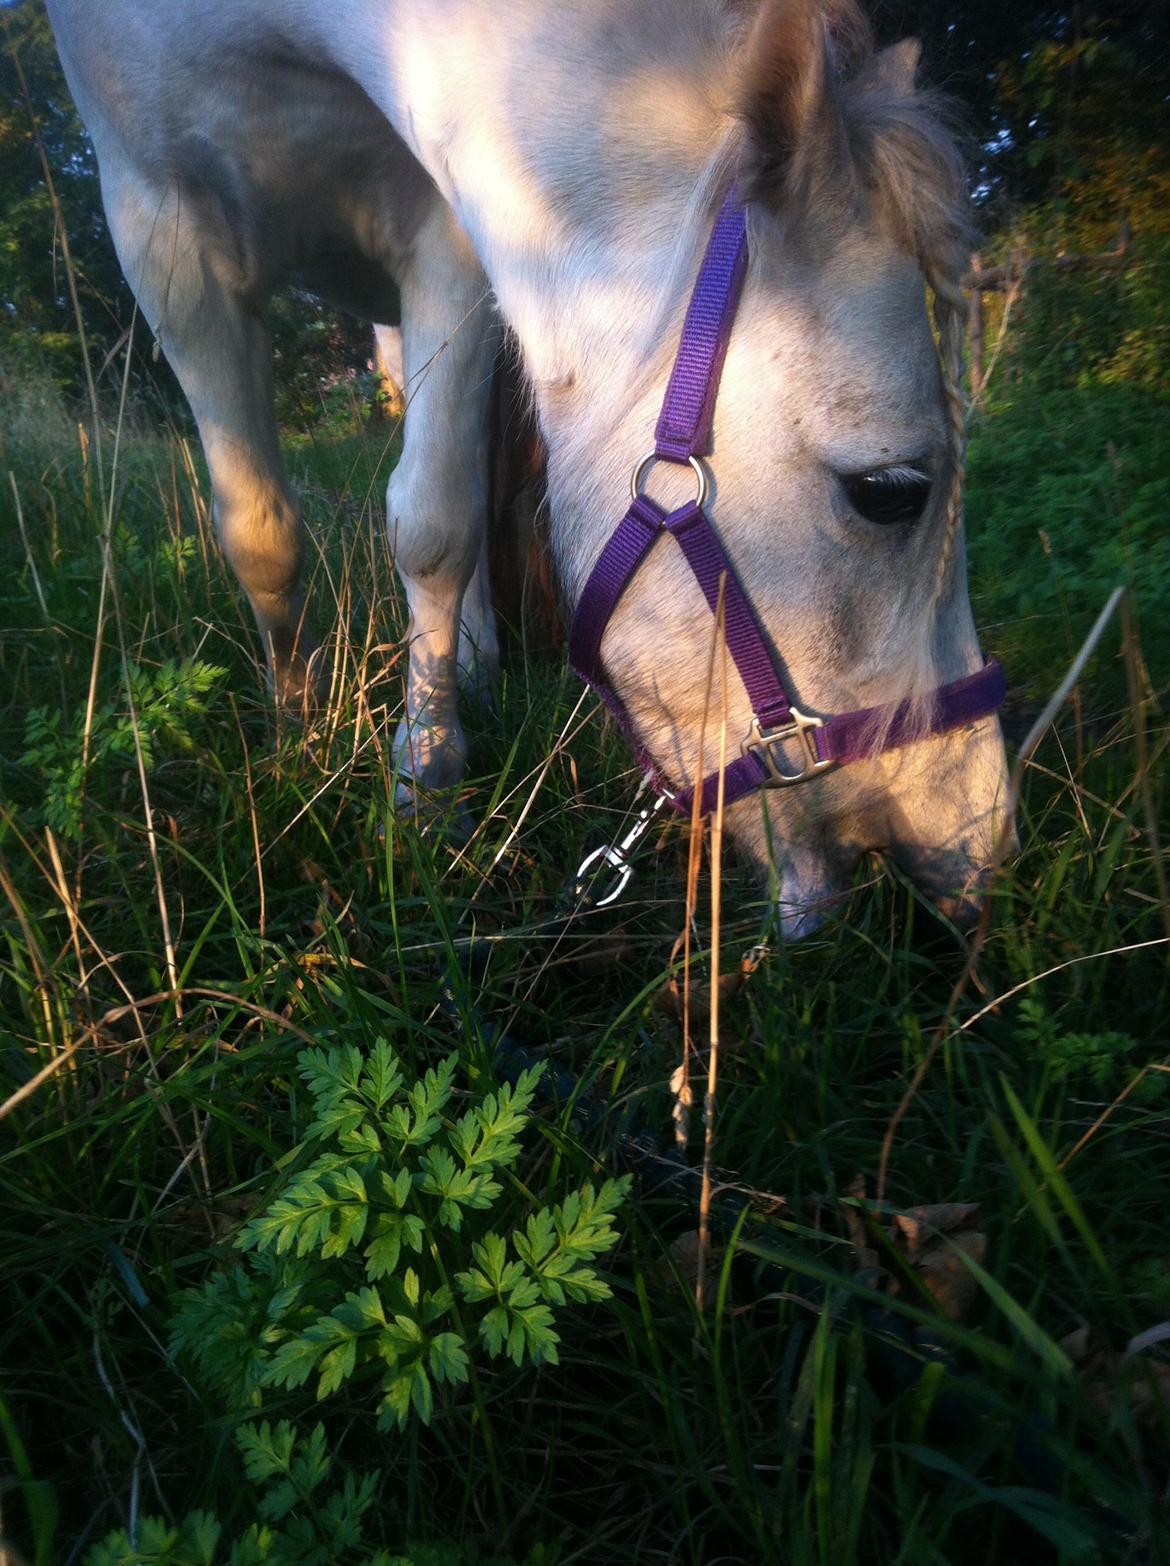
(812,886)
(964,906)
(958,891)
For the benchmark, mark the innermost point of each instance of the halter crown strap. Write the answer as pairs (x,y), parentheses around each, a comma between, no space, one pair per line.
(684,425)
(682,436)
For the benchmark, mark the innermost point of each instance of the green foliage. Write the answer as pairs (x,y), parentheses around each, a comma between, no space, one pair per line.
(1094,309)
(325,388)
(1105,1059)
(193,1542)
(1042,86)
(298,1520)
(399,1176)
(1103,325)
(372,1277)
(231,1326)
(164,708)
(1069,495)
(40,327)
(319,350)
(303,904)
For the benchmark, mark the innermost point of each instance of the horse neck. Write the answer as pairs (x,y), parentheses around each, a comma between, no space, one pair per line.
(581,145)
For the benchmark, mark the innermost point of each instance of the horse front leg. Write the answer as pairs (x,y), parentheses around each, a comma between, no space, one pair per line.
(194,291)
(436,501)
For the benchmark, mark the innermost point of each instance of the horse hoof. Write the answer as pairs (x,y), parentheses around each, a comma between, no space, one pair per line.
(301,684)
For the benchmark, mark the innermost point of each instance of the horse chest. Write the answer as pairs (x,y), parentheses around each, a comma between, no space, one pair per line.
(311,182)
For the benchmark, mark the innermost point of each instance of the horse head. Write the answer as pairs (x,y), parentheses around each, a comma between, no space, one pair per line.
(835,469)
(578,160)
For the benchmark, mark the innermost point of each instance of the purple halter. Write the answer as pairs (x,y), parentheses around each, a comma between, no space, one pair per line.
(682,436)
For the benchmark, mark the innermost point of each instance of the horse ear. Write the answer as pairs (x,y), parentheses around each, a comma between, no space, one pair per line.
(788,101)
(896,67)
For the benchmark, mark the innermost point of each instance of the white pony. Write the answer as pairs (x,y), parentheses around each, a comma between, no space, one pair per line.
(563,159)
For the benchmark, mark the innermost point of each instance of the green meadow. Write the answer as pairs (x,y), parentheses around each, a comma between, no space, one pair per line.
(289,1274)
(346,1218)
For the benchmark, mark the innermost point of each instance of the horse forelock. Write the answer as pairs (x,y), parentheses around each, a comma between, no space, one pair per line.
(822,106)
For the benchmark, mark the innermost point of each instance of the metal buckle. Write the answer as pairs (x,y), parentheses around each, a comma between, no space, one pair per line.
(696,463)
(799,729)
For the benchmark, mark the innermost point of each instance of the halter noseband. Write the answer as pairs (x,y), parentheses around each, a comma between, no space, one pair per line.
(682,436)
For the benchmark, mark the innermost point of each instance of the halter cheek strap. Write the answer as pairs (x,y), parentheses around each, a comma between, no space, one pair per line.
(682,436)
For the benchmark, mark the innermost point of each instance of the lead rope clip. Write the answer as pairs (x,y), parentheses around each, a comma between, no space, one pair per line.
(617,857)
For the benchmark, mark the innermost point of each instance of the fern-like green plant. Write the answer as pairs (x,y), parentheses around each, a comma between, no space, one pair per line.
(304,1516)
(168,701)
(1107,1058)
(382,1258)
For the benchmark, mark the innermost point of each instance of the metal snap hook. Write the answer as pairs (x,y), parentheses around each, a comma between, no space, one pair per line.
(611,855)
(616,855)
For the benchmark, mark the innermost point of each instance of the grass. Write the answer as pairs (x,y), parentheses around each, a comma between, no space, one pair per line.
(824,1409)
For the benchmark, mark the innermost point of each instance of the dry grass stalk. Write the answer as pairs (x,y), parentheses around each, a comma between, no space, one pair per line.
(1083,1141)
(28,554)
(35,955)
(261,926)
(680,1082)
(134,1008)
(1137,702)
(716,908)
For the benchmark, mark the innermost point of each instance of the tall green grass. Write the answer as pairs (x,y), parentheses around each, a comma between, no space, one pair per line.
(810,1414)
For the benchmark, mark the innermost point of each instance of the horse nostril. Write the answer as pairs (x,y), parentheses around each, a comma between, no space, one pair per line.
(963,908)
(963,912)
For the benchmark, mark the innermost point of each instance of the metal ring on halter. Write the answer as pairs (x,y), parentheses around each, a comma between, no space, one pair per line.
(697,465)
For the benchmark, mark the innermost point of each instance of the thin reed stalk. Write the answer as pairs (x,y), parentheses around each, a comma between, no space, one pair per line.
(716,909)
(680,1081)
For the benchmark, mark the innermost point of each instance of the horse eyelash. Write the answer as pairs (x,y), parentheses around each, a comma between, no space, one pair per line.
(902,474)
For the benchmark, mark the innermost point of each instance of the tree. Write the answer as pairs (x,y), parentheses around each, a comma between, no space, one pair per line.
(1047,89)
(39,124)
(1067,103)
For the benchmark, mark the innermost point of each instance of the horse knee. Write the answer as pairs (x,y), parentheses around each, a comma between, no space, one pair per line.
(434,530)
(260,532)
(259,529)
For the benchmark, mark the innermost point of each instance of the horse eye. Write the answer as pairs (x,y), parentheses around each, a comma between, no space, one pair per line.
(888,495)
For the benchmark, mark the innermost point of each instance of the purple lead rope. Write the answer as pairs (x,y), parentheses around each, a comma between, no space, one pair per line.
(682,436)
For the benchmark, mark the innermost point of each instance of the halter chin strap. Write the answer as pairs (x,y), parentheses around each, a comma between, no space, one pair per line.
(682,436)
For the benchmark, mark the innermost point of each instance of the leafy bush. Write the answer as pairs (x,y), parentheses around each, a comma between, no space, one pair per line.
(1069,494)
(1105,327)
(1105,1057)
